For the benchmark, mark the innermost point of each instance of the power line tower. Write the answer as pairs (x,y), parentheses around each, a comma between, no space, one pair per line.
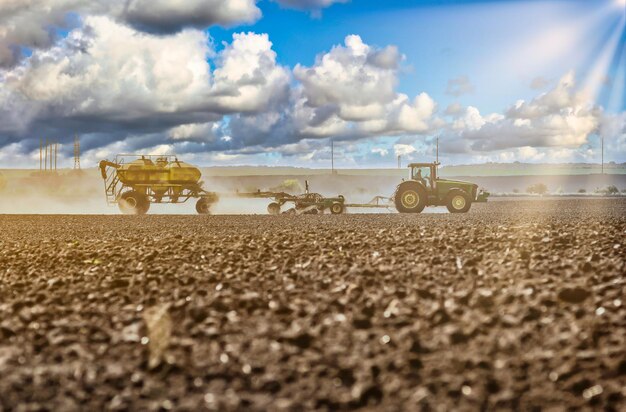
(76,153)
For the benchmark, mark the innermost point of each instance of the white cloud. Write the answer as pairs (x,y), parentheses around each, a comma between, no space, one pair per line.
(248,78)
(471,120)
(351,90)
(403,149)
(380,151)
(31,23)
(108,78)
(203,132)
(559,118)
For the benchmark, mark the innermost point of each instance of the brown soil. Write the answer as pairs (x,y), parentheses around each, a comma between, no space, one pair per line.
(513,305)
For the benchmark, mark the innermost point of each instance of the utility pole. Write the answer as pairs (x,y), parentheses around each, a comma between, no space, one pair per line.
(602,144)
(45,162)
(437,150)
(40,153)
(56,152)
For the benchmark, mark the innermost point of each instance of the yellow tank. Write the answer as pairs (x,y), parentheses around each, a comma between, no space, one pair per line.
(144,171)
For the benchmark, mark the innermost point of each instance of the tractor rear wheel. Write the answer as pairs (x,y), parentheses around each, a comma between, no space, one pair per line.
(336,208)
(273,208)
(458,201)
(133,203)
(203,206)
(410,198)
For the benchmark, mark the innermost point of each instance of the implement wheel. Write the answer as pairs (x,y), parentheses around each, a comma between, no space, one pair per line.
(203,206)
(273,208)
(133,203)
(336,208)
(458,201)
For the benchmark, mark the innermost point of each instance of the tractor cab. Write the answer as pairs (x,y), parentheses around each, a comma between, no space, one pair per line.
(425,173)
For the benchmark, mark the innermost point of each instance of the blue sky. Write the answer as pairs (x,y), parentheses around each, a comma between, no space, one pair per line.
(507,80)
(446,39)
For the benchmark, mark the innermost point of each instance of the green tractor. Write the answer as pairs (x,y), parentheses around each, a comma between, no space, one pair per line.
(425,188)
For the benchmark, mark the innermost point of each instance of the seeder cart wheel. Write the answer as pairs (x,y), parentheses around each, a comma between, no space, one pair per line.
(203,206)
(133,203)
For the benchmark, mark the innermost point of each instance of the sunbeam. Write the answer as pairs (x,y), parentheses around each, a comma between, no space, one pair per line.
(597,75)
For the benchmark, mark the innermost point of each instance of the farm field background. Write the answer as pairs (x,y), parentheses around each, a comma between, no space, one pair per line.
(70,191)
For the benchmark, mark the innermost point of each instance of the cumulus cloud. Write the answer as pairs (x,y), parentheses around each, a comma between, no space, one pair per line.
(248,78)
(110,79)
(459,86)
(33,24)
(351,91)
(559,118)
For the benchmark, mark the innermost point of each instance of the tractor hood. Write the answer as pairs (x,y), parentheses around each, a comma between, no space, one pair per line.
(471,188)
(456,182)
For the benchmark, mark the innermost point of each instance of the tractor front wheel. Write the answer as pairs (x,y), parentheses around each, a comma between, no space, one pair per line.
(458,201)
(410,198)
(273,208)
(336,208)
(203,206)
(134,203)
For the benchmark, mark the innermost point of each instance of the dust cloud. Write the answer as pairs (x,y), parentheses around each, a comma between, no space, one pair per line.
(27,192)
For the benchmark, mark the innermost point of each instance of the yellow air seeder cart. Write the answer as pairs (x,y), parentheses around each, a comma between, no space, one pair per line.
(134,181)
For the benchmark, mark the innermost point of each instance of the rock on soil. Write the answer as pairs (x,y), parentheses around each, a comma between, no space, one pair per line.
(515,305)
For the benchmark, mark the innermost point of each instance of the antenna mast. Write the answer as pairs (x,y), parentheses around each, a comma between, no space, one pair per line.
(332,156)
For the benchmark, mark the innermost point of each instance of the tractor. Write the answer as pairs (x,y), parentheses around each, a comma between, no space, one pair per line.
(425,188)
(133,182)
